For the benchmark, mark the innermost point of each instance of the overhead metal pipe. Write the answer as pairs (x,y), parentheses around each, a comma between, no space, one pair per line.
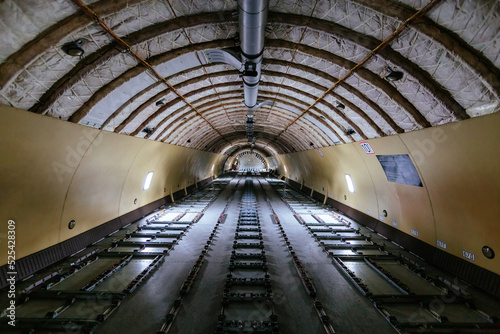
(252,19)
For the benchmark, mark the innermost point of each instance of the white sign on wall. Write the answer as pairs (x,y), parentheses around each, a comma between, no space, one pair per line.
(442,244)
(468,255)
(367,148)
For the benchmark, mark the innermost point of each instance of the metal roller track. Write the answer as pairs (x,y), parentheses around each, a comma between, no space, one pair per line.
(80,294)
(411,298)
(249,255)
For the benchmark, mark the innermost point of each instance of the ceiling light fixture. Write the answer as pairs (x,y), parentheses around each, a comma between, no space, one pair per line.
(339,105)
(160,102)
(349,131)
(393,75)
(74,48)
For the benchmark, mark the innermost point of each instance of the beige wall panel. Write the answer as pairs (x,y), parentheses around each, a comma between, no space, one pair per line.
(298,167)
(53,174)
(461,166)
(387,197)
(174,168)
(94,194)
(333,169)
(352,163)
(37,164)
(153,157)
(407,205)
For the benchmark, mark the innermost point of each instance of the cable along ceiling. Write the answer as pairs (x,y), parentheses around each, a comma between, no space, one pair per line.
(449,60)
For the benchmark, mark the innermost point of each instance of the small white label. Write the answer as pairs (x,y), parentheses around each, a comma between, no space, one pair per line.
(335,197)
(441,244)
(329,195)
(368,211)
(381,217)
(394,223)
(414,232)
(357,207)
(350,203)
(320,153)
(367,148)
(468,255)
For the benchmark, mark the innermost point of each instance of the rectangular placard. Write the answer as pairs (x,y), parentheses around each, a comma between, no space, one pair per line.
(442,244)
(367,147)
(468,255)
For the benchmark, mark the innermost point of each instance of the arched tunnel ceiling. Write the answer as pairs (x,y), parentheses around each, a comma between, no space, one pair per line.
(450,59)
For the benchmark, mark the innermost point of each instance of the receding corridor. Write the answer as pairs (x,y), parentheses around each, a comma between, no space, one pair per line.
(249,254)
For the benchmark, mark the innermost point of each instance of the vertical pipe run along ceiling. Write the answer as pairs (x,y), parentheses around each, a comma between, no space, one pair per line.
(449,59)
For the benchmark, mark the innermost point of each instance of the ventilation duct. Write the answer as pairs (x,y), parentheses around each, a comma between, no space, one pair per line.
(252,18)
(249,127)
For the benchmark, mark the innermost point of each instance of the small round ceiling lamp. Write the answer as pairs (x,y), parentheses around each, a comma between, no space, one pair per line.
(74,49)
(393,75)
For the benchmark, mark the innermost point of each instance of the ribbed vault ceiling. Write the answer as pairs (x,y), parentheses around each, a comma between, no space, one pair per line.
(450,59)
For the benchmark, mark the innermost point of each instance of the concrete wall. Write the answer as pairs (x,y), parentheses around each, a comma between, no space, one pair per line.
(53,172)
(459,165)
